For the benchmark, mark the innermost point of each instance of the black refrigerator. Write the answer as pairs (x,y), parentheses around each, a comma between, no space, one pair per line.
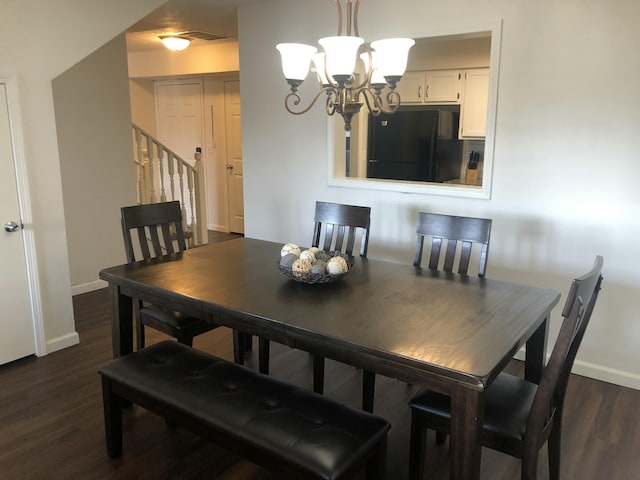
(415,143)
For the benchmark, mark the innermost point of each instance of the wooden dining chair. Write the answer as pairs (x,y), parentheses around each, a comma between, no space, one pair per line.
(460,234)
(154,230)
(519,416)
(336,227)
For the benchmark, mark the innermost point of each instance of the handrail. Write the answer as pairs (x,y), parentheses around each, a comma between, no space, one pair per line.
(156,167)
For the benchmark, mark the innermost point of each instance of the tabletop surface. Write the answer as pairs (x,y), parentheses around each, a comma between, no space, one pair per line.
(382,316)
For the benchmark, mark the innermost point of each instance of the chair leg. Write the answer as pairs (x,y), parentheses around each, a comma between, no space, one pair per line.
(112,419)
(139,326)
(263,355)
(318,374)
(139,334)
(238,348)
(553,446)
(417,447)
(529,468)
(248,342)
(368,390)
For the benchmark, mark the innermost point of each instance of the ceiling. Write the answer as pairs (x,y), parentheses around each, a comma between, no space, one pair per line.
(202,20)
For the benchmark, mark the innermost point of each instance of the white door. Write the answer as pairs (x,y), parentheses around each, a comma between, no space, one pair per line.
(17,337)
(180,128)
(234,156)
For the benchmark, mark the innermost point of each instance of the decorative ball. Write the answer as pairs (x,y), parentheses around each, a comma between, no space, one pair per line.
(301,265)
(319,267)
(288,259)
(337,265)
(322,255)
(290,248)
(314,249)
(308,255)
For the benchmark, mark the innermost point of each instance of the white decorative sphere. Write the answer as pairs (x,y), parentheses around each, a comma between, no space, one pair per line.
(337,265)
(308,255)
(301,265)
(314,249)
(290,248)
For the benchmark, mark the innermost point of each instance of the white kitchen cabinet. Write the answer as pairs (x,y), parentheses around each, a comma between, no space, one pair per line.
(474,103)
(435,86)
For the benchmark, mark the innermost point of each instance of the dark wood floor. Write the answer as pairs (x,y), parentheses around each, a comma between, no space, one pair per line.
(51,419)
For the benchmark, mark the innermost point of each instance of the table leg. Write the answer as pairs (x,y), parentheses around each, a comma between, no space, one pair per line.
(467,412)
(121,322)
(536,352)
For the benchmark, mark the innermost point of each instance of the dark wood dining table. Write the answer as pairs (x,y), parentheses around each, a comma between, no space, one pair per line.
(446,332)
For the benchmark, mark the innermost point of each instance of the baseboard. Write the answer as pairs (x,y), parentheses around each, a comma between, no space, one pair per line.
(88,287)
(218,228)
(64,341)
(599,372)
(606,374)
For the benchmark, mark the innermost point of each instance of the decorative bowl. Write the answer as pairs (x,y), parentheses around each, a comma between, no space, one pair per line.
(313,278)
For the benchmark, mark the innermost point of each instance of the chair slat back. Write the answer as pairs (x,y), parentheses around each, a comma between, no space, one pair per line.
(157,225)
(549,400)
(460,234)
(336,225)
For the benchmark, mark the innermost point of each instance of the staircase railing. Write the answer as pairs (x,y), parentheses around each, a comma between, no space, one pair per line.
(162,175)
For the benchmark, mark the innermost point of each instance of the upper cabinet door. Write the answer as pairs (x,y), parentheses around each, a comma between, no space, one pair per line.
(411,87)
(475,99)
(442,86)
(435,86)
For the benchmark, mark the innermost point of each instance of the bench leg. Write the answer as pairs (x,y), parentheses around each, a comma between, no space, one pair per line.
(318,374)
(112,406)
(377,464)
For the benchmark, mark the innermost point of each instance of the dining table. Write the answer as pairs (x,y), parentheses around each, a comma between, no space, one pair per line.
(447,332)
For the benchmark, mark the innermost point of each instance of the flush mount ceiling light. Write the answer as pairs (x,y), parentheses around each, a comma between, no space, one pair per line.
(384,63)
(175,42)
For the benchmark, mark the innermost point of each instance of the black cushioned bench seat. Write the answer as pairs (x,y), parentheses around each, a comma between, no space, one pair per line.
(279,426)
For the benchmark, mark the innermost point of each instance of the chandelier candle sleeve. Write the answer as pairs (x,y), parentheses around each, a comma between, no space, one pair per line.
(296,58)
(341,54)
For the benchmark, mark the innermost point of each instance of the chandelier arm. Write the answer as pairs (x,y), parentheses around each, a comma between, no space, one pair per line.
(294,99)
(363,83)
(393,100)
(374,101)
(355,18)
(339,7)
(375,109)
(330,106)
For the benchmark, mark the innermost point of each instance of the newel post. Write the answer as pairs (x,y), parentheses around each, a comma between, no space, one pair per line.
(200,227)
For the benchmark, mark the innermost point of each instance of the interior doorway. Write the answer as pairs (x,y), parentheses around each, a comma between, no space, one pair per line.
(206,112)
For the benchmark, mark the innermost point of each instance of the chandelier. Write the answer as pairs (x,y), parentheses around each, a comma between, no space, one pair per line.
(384,63)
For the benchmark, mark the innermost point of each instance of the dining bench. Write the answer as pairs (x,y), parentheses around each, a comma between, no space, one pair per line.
(281,427)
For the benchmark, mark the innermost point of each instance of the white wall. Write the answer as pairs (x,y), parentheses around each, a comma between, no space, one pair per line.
(42,39)
(93,122)
(565,171)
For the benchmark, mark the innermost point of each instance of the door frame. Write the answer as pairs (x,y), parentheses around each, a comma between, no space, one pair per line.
(26,217)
